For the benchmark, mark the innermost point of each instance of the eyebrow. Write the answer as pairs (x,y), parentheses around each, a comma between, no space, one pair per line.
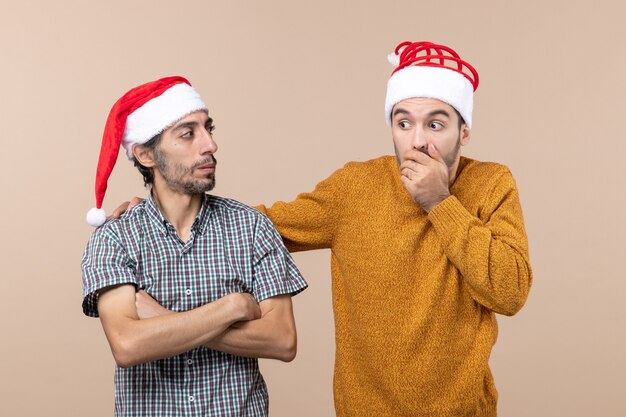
(439,112)
(431,114)
(399,110)
(184,125)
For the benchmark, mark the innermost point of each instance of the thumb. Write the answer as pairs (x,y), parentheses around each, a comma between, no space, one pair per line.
(434,153)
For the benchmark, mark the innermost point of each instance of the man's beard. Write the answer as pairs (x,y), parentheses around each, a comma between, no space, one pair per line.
(174,175)
(451,158)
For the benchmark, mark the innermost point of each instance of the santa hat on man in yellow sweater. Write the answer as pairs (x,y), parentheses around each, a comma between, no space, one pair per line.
(428,70)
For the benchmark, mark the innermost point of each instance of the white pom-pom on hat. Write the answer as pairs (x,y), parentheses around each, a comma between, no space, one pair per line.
(96,217)
(393,59)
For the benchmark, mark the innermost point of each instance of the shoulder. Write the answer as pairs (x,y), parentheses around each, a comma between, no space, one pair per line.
(477,172)
(483,183)
(233,209)
(240,216)
(476,167)
(379,164)
(362,177)
(128,225)
(229,206)
(357,173)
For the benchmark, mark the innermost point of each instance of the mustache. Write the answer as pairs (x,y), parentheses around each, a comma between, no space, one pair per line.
(210,160)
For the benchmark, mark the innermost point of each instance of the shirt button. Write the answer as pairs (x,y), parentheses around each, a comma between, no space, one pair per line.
(189,362)
(191,399)
(188,291)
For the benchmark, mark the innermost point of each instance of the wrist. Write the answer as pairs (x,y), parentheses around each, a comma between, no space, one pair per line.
(436,202)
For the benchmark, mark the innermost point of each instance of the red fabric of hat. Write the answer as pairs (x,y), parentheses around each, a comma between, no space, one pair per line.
(180,101)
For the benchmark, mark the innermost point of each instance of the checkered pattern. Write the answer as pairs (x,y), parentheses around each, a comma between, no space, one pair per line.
(232,248)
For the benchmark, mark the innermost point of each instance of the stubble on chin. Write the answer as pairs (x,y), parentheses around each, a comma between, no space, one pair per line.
(174,176)
(197,187)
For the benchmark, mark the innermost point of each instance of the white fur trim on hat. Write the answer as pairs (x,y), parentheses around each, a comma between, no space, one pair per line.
(156,115)
(439,83)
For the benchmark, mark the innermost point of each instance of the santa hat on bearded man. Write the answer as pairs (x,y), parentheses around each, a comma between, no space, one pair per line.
(138,116)
(428,70)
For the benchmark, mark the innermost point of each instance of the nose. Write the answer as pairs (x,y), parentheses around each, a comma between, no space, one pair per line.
(419,140)
(208,144)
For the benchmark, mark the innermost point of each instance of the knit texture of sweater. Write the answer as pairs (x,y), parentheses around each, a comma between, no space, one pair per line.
(414,293)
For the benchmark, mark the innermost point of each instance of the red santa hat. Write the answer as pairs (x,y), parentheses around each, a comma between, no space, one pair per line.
(429,70)
(137,117)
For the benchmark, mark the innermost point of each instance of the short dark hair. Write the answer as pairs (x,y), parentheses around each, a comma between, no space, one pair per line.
(148,173)
(461,120)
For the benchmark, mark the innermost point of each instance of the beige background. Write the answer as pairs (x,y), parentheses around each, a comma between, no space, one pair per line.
(297,90)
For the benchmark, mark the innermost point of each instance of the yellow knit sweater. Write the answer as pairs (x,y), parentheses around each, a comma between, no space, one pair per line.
(414,294)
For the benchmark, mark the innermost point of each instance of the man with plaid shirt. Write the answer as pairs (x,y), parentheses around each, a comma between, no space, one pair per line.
(190,288)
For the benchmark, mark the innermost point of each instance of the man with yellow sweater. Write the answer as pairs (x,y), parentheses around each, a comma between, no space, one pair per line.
(425,247)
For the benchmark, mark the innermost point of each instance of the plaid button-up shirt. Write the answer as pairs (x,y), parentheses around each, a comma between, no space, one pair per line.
(232,248)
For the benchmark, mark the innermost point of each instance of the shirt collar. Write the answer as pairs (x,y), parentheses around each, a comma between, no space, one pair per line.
(199,224)
(202,219)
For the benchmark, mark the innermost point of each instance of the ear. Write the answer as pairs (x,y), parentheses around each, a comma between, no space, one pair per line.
(465,135)
(144,156)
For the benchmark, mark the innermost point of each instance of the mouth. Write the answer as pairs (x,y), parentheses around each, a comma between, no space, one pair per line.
(206,167)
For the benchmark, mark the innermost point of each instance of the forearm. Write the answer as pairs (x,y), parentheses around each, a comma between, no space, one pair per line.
(170,335)
(273,336)
(492,258)
(135,341)
(256,339)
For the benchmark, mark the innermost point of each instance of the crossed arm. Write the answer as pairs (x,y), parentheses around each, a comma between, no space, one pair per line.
(234,324)
(271,336)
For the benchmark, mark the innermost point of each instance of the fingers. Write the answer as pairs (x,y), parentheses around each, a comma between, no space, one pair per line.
(408,173)
(417,156)
(125,206)
(245,306)
(120,210)
(424,158)
(406,181)
(142,296)
(434,153)
(147,307)
(133,202)
(254,307)
(413,170)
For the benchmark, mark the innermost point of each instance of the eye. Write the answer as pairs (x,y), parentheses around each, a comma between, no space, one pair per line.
(187,134)
(209,127)
(404,124)
(436,125)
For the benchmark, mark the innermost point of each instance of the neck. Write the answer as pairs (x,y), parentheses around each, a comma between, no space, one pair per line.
(454,170)
(179,209)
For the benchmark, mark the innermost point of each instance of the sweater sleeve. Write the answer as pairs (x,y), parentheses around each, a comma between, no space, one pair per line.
(309,222)
(491,252)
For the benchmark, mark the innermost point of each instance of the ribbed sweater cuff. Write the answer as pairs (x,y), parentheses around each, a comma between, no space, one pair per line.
(449,216)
